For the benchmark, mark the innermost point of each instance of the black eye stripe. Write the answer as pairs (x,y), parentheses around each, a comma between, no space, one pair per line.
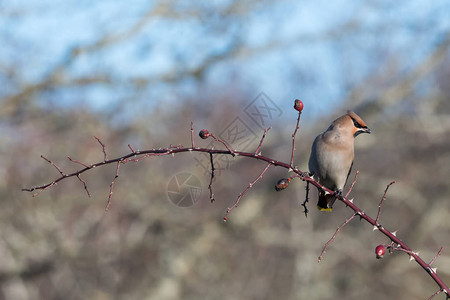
(357,125)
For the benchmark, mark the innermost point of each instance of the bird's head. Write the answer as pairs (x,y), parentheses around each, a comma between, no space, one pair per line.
(359,126)
(349,124)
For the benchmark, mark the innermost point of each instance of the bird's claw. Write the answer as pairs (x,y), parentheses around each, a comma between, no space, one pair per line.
(338,194)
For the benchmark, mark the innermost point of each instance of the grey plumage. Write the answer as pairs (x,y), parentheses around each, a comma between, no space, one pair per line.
(332,155)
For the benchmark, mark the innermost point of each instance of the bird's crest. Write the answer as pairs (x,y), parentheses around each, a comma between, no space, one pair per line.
(357,118)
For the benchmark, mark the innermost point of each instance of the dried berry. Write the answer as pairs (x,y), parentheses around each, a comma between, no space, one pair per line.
(380,251)
(282,184)
(204,134)
(298,105)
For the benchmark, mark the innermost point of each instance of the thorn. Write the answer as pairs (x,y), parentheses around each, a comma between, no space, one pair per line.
(290,170)
(375,228)
(394,233)
(434,269)
(173,154)
(351,200)
(411,258)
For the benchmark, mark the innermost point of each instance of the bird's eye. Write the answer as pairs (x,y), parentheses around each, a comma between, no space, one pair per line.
(357,125)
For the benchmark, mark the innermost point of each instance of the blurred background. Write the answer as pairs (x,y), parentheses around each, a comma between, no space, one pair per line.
(138,72)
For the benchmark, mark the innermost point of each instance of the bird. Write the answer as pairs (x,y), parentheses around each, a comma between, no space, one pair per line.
(332,155)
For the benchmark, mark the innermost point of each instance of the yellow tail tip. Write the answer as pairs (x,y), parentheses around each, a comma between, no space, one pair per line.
(324,209)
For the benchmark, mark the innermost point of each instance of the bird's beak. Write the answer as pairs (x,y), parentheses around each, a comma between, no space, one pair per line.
(362,130)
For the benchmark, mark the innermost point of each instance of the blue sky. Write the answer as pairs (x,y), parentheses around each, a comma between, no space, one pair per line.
(314,50)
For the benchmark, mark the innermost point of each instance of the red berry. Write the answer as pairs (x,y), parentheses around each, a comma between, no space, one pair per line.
(282,184)
(224,219)
(380,251)
(204,134)
(298,105)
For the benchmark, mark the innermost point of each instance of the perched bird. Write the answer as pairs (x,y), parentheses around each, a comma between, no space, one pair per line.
(332,156)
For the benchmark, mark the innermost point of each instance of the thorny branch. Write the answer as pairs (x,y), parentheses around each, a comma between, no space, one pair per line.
(381,202)
(353,184)
(211,194)
(304,204)
(245,191)
(105,157)
(135,156)
(334,236)
(262,140)
(293,139)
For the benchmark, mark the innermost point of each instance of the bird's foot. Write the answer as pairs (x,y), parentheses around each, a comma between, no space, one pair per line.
(338,194)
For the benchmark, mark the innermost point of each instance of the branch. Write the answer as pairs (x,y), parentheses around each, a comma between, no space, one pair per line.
(105,157)
(192,135)
(111,186)
(334,236)
(381,202)
(293,139)
(396,243)
(262,140)
(245,191)
(211,194)
(353,184)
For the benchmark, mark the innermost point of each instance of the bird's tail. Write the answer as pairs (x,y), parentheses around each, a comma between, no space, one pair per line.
(326,201)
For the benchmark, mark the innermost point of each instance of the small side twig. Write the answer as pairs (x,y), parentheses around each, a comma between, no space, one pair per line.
(54,165)
(334,236)
(293,139)
(84,184)
(262,140)
(192,135)
(211,194)
(437,255)
(381,202)
(105,157)
(41,189)
(131,148)
(245,191)
(223,142)
(435,294)
(111,186)
(305,208)
(78,162)
(353,184)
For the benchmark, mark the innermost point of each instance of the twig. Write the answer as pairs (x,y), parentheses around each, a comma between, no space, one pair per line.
(78,162)
(437,255)
(105,158)
(85,185)
(262,140)
(211,194)
(131,148)
(306,200)
(192,135)
(334,236)
(54,165)
(293,140)
(41,189)
(245,191)
(353,184)
(381,202)
(111,186)
(225,144)
(435,294)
